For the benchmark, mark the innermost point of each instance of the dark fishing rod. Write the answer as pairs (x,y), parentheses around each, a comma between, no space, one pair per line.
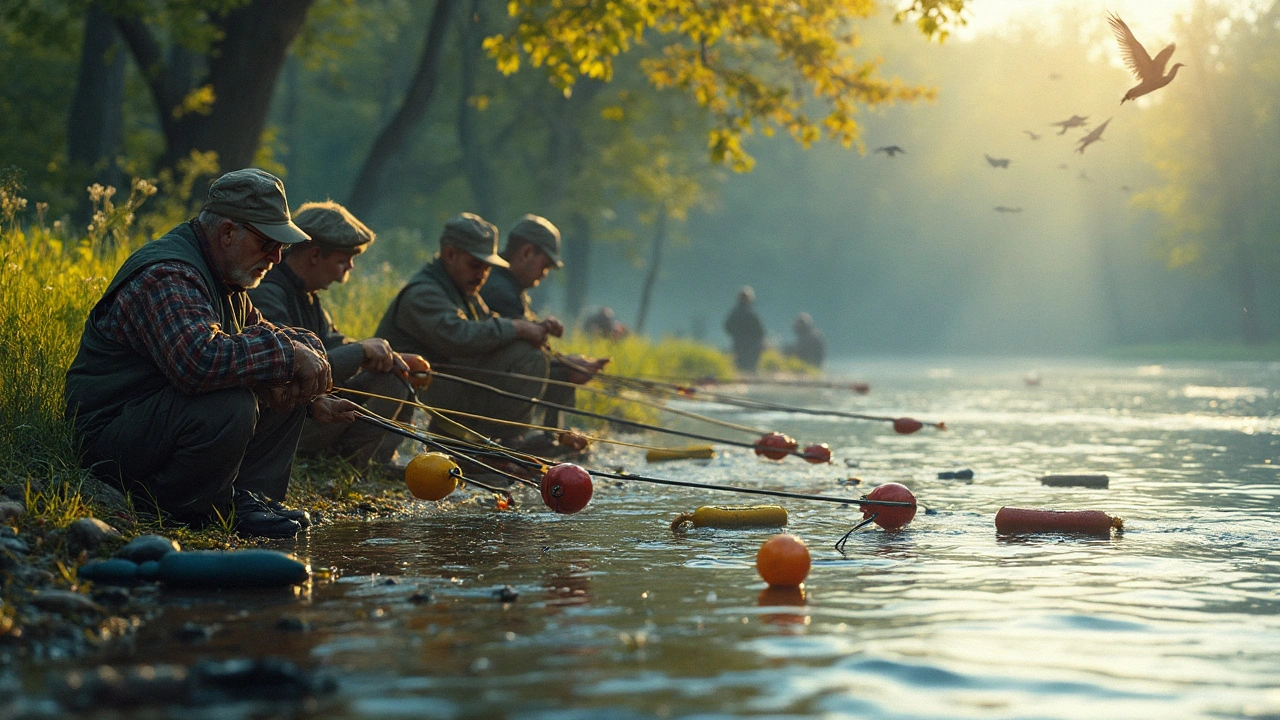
(378,421)
(608,418)
(858,387)
(749,491)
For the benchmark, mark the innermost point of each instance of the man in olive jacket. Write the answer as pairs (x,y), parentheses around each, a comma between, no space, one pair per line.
(440,315)
(289,295)
(180,392)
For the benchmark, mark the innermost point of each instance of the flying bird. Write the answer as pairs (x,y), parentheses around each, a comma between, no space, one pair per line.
(997,162)
(1074,121)
(891,150)
(1031,135)
(1092,137)
(1150,73)
(1003,209)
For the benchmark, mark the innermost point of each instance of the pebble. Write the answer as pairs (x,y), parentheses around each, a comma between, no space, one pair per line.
(420,598)
(10,511)
(109,572)
(91,532)
(65,602)
(203,684)
(506,594)
(259,679)
(193,632)
(7,532)
(146,548)
(16,493)
(13,544)
(292,624)
(965,474)
(112,597)
(107,687)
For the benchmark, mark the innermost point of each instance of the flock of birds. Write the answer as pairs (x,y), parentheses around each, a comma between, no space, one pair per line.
(1151,76)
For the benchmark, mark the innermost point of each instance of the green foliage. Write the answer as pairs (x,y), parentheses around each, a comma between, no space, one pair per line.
(772,361)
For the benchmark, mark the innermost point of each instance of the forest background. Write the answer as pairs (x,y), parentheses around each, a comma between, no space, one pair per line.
(660,147)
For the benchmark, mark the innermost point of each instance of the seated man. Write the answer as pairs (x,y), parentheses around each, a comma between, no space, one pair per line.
(440,315)
(533,248)
(810,346)
(289,295)
(180,391)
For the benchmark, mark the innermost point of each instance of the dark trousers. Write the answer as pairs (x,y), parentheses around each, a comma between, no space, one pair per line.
(360,442)
(518,357)
(558,394)
(184,453)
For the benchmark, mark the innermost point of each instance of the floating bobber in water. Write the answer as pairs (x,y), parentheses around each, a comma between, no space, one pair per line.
(693,452)
(732,517)
(566,488)
(432,476)
(1031,521)
(817,454)
(906,426)
(860,388)
(1098,482)
(891,518)
(775,446)
(783,561)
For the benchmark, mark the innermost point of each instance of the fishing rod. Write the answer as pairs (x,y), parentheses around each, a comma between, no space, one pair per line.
(375,419)
(858,387)
(773,448)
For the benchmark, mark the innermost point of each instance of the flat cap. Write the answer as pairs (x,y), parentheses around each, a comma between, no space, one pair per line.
(539,232)
(473,234)
(255,197)
(332,226)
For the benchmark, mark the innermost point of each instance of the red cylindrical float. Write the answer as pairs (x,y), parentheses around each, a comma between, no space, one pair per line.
(1029,521)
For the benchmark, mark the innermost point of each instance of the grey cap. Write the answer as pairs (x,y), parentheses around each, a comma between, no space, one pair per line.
(539,232)
(332,226)
(255,197)
(475,235)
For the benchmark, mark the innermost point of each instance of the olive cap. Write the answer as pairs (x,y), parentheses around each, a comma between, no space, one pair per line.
(539,232)
(255,197)
(475,235)
(332,226)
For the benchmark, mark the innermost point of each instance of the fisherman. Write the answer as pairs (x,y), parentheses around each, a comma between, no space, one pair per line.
(440,315)
(602,324)
(289,295)
(532,249)
(746,331)
(180,391)
(810,346)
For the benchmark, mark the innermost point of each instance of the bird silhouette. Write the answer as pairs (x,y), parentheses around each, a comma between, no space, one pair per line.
(1150,73)
(891,150)
(997,162)
(1092,137)
(1031,135)
(1004,209)
(1072,122)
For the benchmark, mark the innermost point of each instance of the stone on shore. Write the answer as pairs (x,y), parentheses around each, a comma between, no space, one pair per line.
(146,548)
(65,602)
(91,532)
(10,511)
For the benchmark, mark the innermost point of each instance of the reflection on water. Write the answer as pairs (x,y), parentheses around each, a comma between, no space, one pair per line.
(617,617)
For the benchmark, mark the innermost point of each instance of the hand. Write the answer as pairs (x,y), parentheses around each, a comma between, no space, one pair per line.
(328,410)
(378,355)
(582,369)
(532,333)
(554,327)
(311,374)
(278,398)
(419,370)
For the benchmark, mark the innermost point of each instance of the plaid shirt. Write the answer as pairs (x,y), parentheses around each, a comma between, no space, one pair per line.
(164,313)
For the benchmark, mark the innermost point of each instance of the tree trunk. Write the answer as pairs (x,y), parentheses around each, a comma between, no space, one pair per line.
(95,123)
(577,258)
(364,194)
(655,262)
(474,161)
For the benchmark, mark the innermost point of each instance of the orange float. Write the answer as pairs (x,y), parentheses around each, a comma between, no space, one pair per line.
(783,561)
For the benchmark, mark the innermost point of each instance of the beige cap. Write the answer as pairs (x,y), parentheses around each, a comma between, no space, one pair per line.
(539,232)
(475,235)
(332,226)
(255,197)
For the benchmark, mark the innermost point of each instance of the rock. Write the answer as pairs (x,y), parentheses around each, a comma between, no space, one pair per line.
(107,687)
(292,624)
(149,571)
(108,499)
(112,597)
(263,679)
(506,594)
(147,547)
(7,532)
(91,532)
(11,511)
(965,474)
(420,598)
(14,545)
(64,602)
(193,632)
(16,493)
(109,572)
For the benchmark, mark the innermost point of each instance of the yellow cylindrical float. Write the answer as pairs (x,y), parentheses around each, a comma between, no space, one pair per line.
(733,517)
(693,452)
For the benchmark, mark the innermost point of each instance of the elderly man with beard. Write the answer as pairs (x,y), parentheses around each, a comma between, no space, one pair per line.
(180,392)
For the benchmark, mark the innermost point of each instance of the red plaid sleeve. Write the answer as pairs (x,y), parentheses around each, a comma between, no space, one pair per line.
(165,313)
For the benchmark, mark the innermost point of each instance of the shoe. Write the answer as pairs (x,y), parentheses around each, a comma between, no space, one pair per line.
(302,517)
(254,519)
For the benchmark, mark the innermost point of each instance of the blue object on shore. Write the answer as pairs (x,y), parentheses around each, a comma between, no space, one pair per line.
(234,569)
(110,572)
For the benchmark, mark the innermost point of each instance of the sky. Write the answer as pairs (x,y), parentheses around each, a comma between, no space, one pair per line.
(1145,17)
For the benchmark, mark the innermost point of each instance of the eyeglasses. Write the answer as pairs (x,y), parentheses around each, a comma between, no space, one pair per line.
(269,246)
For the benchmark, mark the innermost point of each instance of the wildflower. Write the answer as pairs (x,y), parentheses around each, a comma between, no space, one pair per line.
(145,187)
(95,192)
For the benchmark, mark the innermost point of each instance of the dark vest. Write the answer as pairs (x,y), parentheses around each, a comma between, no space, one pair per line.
(107,375)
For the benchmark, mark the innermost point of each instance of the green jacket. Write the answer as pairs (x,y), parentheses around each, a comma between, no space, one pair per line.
(106,375)
(505,298)
(431,318)
(282,298)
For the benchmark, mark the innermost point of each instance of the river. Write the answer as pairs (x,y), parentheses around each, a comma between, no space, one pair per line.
(617,617)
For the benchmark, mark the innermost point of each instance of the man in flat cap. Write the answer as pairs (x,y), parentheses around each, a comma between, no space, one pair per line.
(533,248)
(289,295)
(180,391)
(440,315)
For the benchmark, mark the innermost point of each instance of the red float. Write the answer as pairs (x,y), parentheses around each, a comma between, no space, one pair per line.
(775,446)
(906,426)
(817,454)
(860,388)
(892,517)
(566,488)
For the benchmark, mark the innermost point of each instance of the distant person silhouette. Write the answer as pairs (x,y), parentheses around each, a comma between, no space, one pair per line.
(810,346)
(602,324)
(746,331)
